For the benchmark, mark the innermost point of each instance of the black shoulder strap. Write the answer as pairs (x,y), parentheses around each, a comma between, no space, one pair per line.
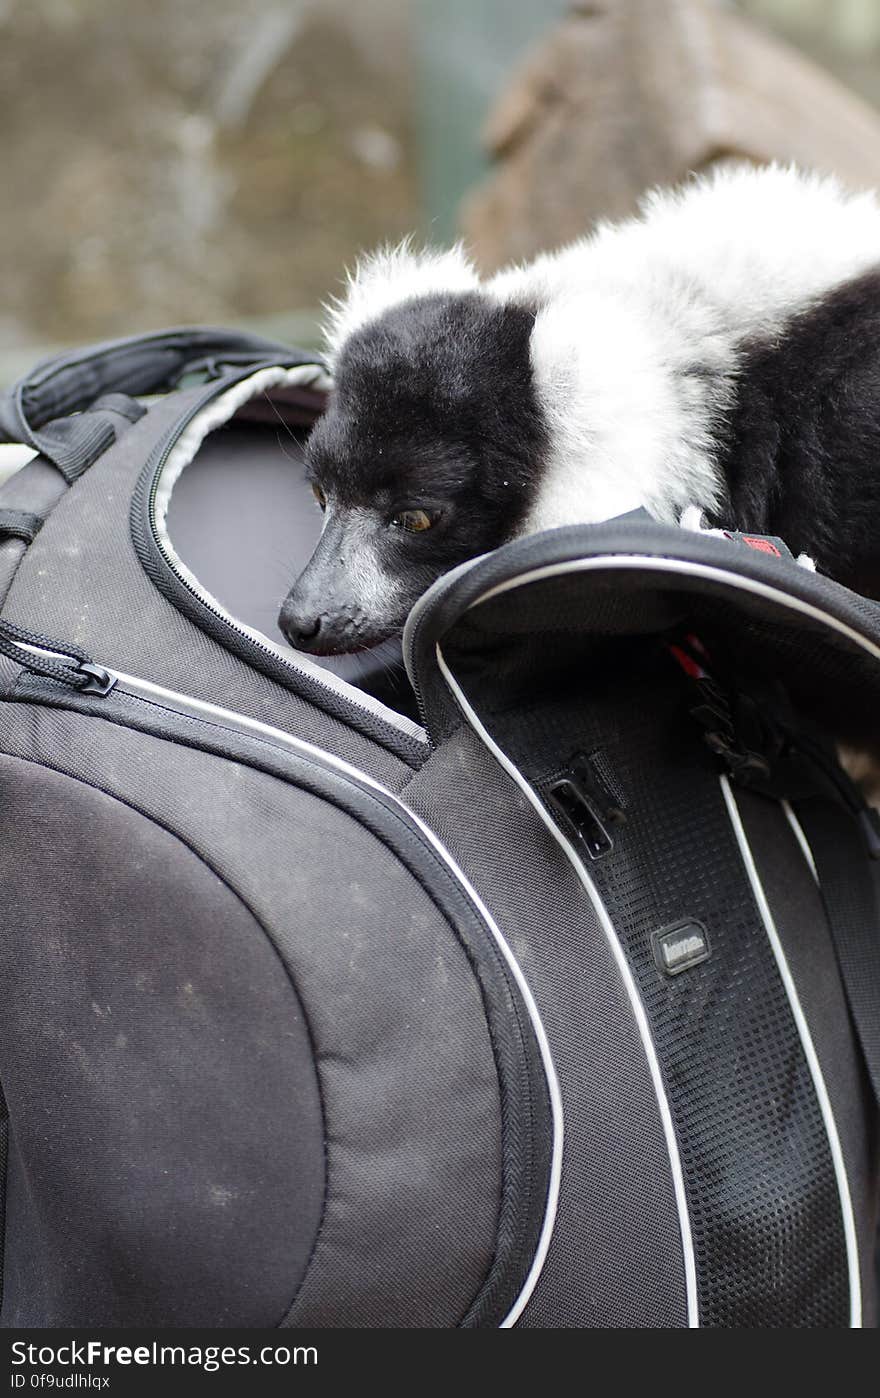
(849,891)
(70,407)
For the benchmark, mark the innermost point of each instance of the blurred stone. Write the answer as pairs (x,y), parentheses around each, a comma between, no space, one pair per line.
(197,161)
(376,147)
(627,94)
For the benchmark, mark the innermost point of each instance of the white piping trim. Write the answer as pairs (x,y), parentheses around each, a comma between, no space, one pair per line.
(849,1227)
(200,708)
(213,416)
(638,1012)
(642,563)
(712,573)
(798,832)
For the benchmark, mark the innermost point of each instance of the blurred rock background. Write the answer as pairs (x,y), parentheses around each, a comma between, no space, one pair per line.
(623,95)
(222,160)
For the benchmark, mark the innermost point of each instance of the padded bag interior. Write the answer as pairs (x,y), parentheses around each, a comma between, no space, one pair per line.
(242,518)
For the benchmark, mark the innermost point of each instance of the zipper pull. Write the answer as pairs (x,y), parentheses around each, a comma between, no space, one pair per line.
(98,680)
(65,663)
(584,803)
(767,746)
(738,728)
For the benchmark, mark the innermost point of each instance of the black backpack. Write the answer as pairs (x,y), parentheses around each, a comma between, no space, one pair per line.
(535,985)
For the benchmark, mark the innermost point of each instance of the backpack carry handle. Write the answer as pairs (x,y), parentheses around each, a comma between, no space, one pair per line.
(70,407)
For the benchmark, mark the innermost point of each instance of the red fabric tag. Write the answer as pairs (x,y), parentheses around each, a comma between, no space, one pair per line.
(762,545)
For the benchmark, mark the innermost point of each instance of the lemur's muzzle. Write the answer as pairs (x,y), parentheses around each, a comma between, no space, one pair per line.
(317,610)
(324,612)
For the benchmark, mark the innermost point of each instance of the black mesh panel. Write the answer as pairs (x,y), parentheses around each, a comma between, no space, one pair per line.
(761,1188)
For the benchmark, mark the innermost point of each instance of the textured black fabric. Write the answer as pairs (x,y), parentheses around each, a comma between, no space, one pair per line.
(522,1087)
(120,403)
(406,1067)
(615,1257)
(11,553)
(35,489)
(167,1138)
(853,914)
(823,666)
(4,1155)
(799,916)
(762,1195)
(58,410)
(81,578)
(19,524)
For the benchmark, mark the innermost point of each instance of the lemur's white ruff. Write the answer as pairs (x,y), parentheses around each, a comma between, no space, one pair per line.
(639,326)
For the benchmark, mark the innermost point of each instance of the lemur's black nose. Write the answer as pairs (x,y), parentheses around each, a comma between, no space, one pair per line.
(300,628)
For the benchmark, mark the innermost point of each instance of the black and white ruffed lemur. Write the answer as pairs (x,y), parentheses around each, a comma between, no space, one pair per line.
(717,355)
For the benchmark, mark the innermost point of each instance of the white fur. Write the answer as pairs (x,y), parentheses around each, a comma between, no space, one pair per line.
(639,326)
(388,277)
(725,259)
(374,590)
(693,519)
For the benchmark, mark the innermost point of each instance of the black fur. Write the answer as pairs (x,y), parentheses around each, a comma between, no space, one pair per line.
(801,451)
(435,403)
(434,408)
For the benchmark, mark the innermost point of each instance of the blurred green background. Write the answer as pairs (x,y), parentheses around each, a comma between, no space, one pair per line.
(223,160)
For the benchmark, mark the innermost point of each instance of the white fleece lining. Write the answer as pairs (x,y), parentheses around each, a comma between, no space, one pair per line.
(216,414)
(213,416)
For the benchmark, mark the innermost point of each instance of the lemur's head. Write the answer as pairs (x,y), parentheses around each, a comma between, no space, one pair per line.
(427,452)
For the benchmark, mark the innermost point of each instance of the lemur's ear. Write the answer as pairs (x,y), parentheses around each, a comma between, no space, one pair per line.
(389,276)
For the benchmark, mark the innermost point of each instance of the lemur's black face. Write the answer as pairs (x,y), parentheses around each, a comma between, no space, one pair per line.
(427,455)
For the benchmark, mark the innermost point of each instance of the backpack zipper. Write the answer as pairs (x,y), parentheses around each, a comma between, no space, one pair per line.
(413,735)
(77,672)
(70,665)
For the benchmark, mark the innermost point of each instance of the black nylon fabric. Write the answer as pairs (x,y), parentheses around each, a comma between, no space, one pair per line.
(826,669)
(164,1103)
(524,1109)
(4,1156)
(799,916)
(409,1227)
(615,1256)
(69,407)
(19,524)
(762,1195)
(848,890)
(761,618)
(33,490)
(81,579)
(765,1213)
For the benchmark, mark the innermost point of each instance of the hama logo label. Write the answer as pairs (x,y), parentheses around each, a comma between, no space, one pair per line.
(678,948)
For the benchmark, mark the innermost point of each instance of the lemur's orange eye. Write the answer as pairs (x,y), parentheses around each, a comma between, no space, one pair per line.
(413,521)
(319,495)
